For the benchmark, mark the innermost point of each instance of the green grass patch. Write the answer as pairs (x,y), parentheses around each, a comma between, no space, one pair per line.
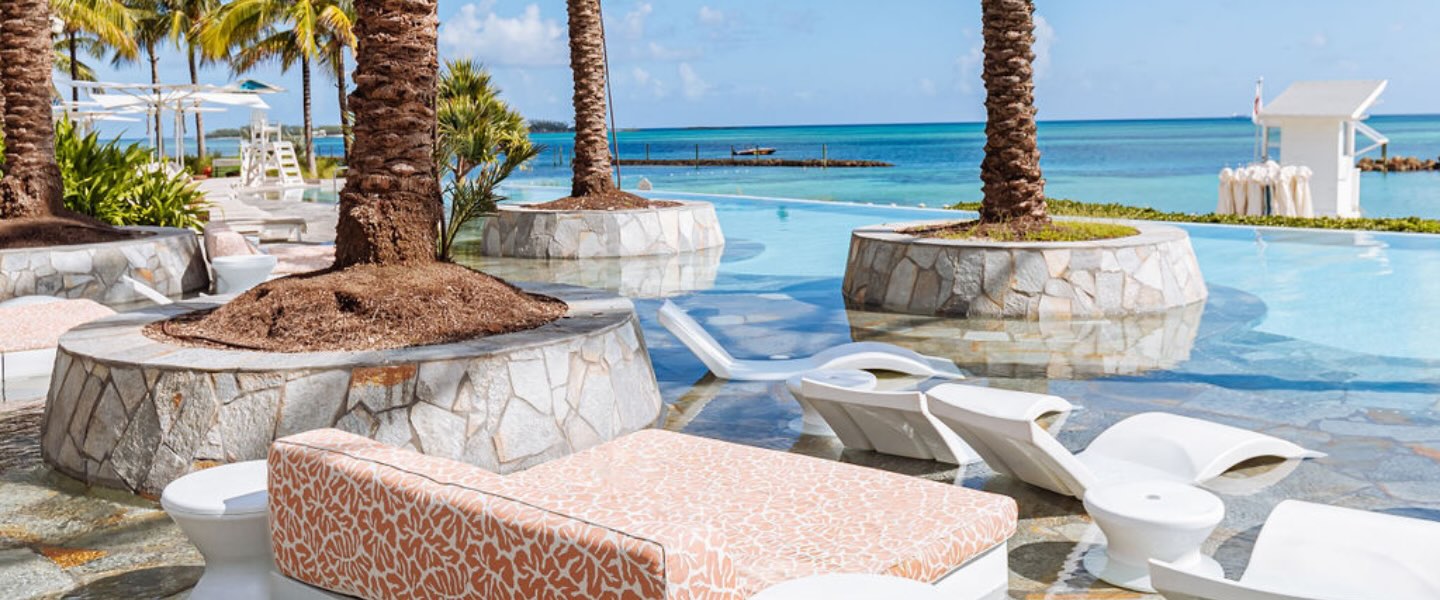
(1072,208)
(1075,231)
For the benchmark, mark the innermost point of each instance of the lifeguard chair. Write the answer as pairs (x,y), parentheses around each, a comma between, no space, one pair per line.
(1318,122)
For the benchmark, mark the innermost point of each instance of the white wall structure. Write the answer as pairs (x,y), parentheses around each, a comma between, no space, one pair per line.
(1318,122)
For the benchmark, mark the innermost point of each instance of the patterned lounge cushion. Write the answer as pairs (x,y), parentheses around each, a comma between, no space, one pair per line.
(32,326)
(222,240)
(301,258)
(783,516)
(356,517)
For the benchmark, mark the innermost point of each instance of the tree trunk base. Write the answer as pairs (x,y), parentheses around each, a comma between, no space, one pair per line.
(364,307)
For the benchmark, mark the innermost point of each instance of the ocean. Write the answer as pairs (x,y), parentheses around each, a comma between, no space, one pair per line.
(1164,164)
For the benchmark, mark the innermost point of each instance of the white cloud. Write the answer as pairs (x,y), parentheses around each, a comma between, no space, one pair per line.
(632,25)
(1319,40)
(967,69)
(690,82)
(1044,40)
(641,76)
(711,16)
(927,86)
(526,40)
(658,51)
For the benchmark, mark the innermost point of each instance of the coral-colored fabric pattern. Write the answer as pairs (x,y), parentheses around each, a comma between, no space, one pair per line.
(654,514)
(37,326)
(222,240)
(783,516)
(355,517)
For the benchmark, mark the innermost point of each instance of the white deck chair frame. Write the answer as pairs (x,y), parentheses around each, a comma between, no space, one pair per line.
(1316,552)
(898,423)
(867,356)
(1146,446)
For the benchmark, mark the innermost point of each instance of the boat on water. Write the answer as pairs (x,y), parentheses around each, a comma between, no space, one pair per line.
(752,151)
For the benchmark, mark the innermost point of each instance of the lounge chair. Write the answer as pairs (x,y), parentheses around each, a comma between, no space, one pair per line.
(1001,427)
(898,423)
(870,356)
(653,515)
(1316,552)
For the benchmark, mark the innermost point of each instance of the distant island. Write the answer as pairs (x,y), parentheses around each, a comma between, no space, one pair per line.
(545,126)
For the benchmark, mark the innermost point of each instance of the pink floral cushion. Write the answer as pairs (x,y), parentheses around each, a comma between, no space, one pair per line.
(40,325)
(353,516)
(783,516)
(222,240)
(300,258)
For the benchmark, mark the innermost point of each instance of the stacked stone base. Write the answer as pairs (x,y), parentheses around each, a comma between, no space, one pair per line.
(168,260)
(1152,272)
(129,412)
(522,232)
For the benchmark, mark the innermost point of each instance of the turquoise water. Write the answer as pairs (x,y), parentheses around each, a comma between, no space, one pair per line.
(1165,164)
(1369,293)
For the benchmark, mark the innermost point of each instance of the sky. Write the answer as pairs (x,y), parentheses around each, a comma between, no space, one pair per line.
(683,63)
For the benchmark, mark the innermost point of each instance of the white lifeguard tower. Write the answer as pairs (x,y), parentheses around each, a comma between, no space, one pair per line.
(1318,122)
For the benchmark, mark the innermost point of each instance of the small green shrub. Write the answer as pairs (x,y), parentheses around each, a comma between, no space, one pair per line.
(117,185)
(1073,208)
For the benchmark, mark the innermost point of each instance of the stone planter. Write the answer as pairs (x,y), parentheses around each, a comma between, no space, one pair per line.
(1054,349)
(633,277)
(522,232)
(169,260)
(130,412)
(1151,272)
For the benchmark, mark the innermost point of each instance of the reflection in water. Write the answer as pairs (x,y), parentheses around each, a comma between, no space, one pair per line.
(634,277)
(1049,349)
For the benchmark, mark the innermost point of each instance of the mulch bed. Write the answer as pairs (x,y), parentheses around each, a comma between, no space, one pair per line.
(58,231)
(365,307)
(1023,231)
(612,200)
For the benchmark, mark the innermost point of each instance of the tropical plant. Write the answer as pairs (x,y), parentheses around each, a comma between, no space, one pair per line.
(115,184)
(292,32)
(1013,185)
(185,18)
(480,142)
(92,26)
(591,163)
(31,186)
(153,21)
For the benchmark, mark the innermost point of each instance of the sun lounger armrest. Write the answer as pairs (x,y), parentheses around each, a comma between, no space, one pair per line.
(355,517)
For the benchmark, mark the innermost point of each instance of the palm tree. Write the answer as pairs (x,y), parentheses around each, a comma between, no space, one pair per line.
(334,53)
(1014,188)
(152,28)
(587,65)
(31,186)
(185,17)
(390,206)
(289,31)
(108,23)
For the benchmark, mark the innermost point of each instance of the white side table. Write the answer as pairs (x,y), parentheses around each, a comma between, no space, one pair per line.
(810,421)
(850,586)
(1150,519)
(223,511)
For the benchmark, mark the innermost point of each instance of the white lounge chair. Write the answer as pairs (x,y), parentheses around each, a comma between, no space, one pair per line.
(869,356)
(1146,446)
(1316,552)
(889,422)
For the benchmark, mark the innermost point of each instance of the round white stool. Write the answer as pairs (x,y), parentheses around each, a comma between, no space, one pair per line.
(235,274)
(223,512)
(1151,519)
(810,421)
(849,586)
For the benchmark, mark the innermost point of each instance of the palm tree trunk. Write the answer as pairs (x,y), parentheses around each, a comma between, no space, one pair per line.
(390,207)
(155,80)
(309,132)
(199,118)
(591,162)
(32,185)
(1014,187)
(74,48)
(339,62)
